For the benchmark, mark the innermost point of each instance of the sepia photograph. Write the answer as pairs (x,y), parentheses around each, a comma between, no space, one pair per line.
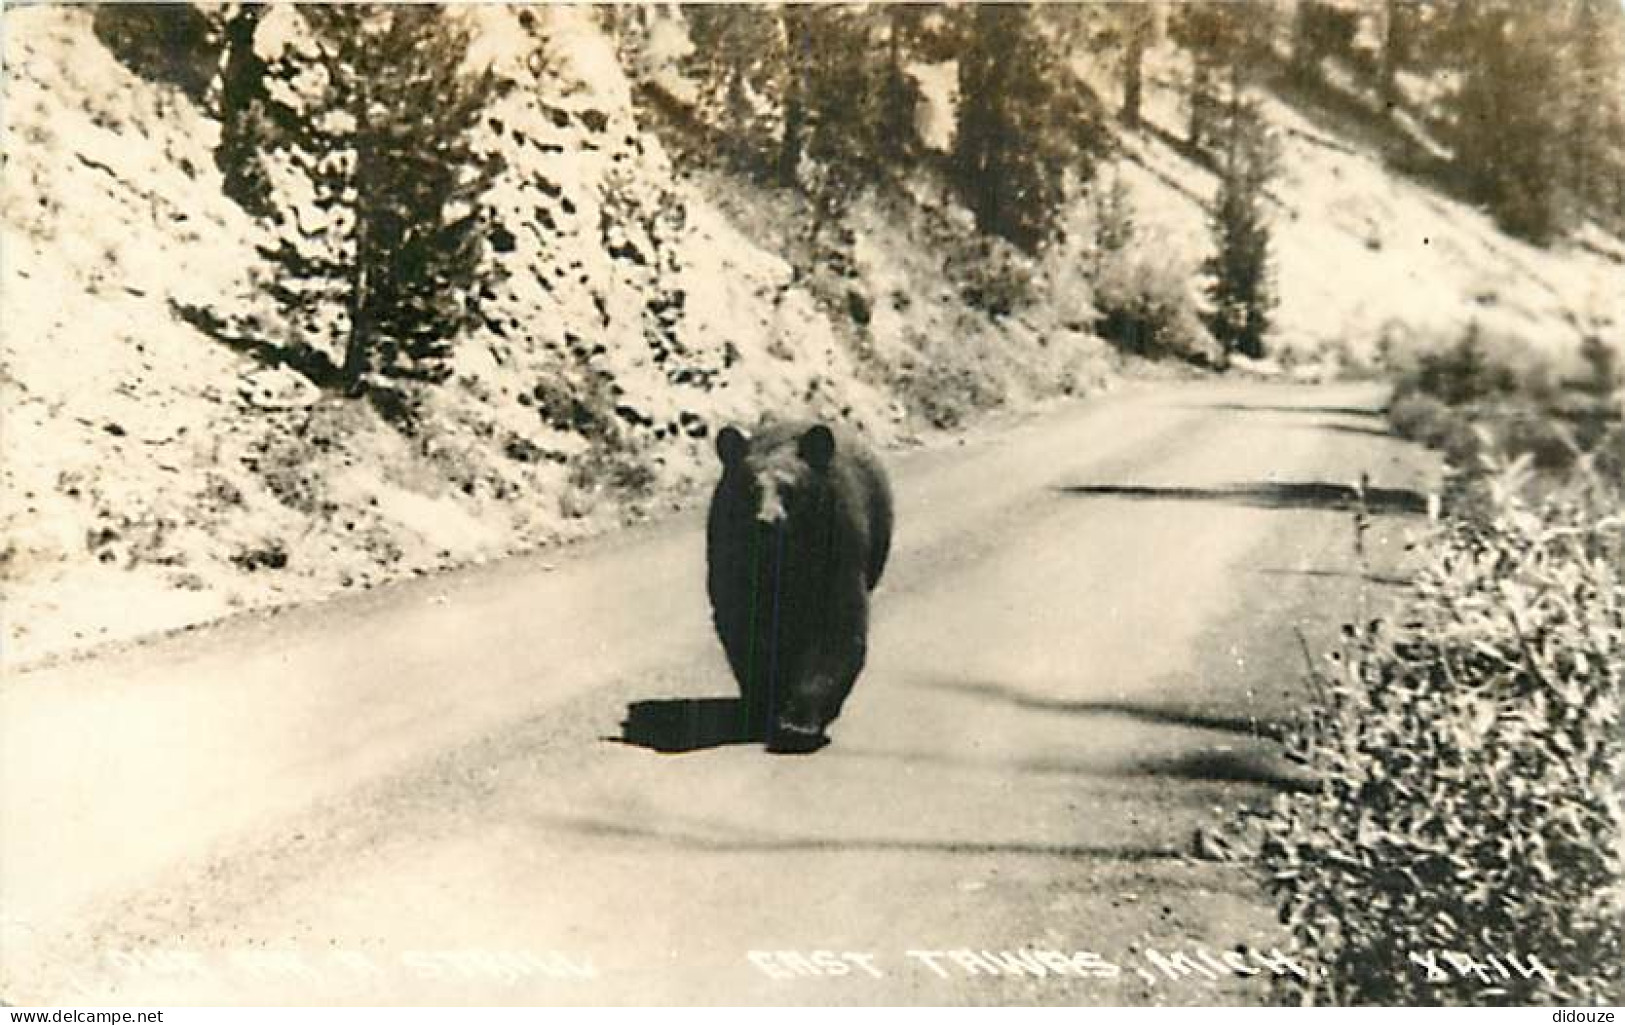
(1112,504)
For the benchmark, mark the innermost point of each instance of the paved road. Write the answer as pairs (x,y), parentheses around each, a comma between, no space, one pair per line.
(450,790)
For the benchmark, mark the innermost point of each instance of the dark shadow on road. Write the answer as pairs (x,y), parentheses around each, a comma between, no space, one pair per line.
(1158,714)
(1378,579)
(1266,495)
(1360,429)
(1244,407)
(678,725)
(1207,765)
(1229,767)
(693,840)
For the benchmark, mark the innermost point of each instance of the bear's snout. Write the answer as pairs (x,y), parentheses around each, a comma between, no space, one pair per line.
(770,513)
(790,739)
(805,711)
(770,508)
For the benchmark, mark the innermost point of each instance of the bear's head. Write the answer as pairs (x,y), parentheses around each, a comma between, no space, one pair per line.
(780,475)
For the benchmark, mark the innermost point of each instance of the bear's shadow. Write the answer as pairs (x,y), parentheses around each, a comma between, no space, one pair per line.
(678,725)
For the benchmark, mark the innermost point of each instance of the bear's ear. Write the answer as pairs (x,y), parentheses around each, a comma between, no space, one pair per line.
(817,447)
(731,446)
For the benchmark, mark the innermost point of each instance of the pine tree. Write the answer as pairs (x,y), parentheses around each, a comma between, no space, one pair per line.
(857,99)
(741,58)
(1398,16)
(1240,287)
(795,29)
(1321,30)
(1507,115)
(1220,37)
(243,104)
(1113,222)
(363,129)
(1134,28)
(1198,28)
(1594,121)
(173,43)
(819,90)
(1022,127)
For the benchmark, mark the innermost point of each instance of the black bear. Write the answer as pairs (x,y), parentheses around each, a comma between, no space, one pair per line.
(798,535)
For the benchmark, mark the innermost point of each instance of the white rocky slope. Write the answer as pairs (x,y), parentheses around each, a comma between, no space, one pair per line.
(152,477)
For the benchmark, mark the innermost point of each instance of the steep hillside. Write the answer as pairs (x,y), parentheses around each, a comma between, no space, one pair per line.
(166,461)
(122,425)
(1365,257)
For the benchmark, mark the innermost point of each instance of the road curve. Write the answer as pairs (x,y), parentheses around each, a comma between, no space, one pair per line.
(449,790)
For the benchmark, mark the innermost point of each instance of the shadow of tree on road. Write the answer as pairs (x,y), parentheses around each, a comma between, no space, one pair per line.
(1207,765)
(1244,407)
(1259,762)
(706,839)
(1229,767)
(1361,429)
(680,725)
(1377,579)
(1266,495)
(1159,714)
